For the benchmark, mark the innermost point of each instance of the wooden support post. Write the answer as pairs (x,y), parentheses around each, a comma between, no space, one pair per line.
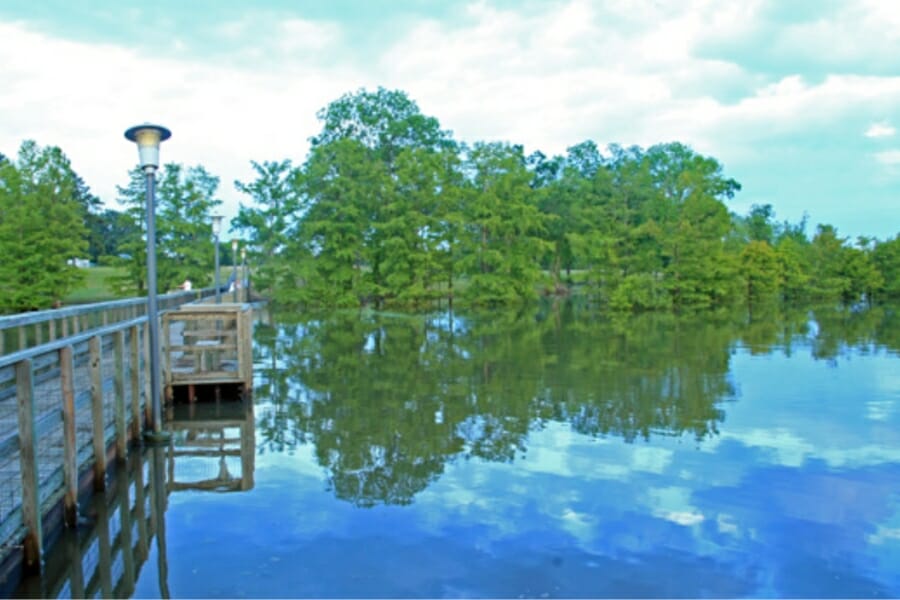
(70,451)
(51,329)
(2,342)
(135,373)
(23,337)
(64,326)
(96,348)
(119,387)
(31,508)
(76,326)
(38,335)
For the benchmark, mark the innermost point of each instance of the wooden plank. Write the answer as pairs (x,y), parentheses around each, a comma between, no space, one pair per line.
(119,386)
(96,368)
(70,449)
(135,382)
(31,510)
(51,329)
(22,337)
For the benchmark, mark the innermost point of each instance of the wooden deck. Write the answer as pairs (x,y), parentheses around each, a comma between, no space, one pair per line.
(69,405)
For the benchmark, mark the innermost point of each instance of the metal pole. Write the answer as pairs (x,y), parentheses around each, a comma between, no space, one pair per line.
(234,270)
(218,286)
(152,311)
(244,280)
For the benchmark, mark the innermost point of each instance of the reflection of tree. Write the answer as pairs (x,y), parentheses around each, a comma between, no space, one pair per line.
(387,400)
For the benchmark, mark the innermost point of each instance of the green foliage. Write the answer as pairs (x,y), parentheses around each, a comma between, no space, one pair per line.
(502,242)
(389,210)
(886,256)
(184,243)
(265,223)
(41,228)
(761,271)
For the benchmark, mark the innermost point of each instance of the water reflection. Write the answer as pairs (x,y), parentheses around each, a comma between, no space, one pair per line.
(123,531)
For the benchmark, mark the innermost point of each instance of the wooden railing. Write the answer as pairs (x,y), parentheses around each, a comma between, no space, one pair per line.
(25,330)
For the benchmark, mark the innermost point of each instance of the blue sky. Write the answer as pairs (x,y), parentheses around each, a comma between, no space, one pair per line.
(799,100)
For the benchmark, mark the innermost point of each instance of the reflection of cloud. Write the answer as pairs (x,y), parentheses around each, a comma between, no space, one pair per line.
(877,130)
(888,157)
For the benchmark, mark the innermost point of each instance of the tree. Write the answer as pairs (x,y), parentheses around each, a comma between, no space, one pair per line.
(41,228)
(185,199)
(333,256)
(760,270)
(504,228)
(268,219)
(886,256)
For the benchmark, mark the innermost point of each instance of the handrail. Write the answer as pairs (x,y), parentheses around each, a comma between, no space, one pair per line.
(41,316)
(11,359)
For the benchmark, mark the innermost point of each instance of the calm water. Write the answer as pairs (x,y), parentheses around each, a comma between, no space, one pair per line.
(550,453)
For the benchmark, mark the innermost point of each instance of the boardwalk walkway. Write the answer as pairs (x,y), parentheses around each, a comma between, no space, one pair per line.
(64,404)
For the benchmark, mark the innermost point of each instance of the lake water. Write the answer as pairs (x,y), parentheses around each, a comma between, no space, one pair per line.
(545,453)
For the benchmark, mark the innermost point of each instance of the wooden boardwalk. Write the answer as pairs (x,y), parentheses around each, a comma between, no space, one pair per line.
(68,404)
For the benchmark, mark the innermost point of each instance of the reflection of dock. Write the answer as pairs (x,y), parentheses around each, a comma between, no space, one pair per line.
(210,443)
(104,556)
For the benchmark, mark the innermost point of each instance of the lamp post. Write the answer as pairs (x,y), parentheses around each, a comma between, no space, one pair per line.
(244,280)
(148,138)
(234,254)
(216,228)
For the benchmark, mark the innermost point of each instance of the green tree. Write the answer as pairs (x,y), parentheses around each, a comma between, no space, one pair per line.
(504,228)
(185,200)
(761,271)
(886,256)
(267,220)
(41,228)
(334,256)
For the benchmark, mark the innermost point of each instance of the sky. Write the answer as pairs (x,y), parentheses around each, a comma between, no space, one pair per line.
(799,100)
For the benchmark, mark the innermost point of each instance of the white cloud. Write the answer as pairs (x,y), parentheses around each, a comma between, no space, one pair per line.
(877,130)
(888,157)
(548,78)
(82,97)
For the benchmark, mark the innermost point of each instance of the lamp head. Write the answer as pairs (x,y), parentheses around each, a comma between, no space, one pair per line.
(216,224)
(234,245)
(148,138)
(244,253)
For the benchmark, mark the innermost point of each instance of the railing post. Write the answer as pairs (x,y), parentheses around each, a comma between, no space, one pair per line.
(31,509)
(135,375)
(23,337)
(51,329)
(96,355)
(119,386)
(70,452)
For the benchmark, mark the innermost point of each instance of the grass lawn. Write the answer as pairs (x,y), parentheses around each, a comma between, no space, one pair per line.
(95,287)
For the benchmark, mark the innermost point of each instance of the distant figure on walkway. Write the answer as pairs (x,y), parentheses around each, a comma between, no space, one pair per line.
(186,286)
